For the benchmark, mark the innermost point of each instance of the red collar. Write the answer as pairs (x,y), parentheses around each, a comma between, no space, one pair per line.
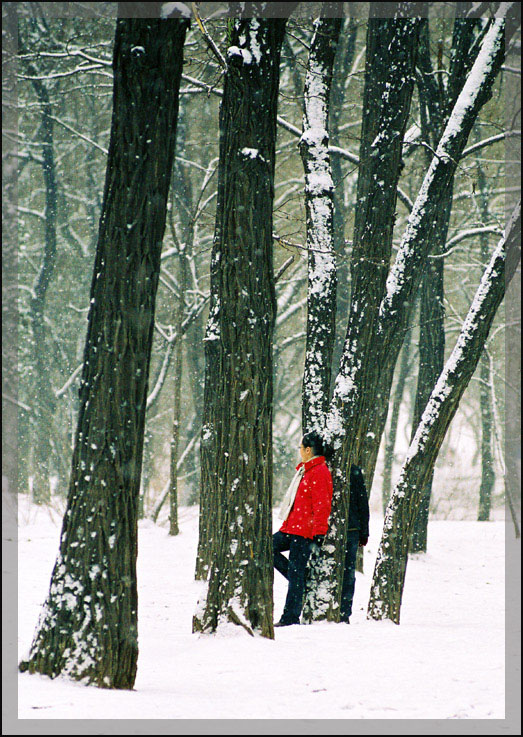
(310,464)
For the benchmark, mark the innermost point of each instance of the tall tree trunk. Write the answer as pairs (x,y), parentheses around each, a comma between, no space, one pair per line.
(342,64)
(389,70)
(391,561)
(319,206)
(403,373)
(178,375)
(488,476)
(431,361)
(236,444)
(43,399)
(88,625)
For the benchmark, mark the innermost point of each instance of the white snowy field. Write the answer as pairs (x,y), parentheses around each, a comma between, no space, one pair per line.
(445,660)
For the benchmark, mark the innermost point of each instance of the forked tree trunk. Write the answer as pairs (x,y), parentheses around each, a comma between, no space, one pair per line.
(391,561)
(236,444)
(432,310)
(433,227)
(389,77)
(88,625)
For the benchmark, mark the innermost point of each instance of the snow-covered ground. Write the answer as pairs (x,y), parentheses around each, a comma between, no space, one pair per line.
(445,660)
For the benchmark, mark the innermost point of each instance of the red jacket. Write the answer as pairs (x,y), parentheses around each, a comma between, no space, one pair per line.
(309,515)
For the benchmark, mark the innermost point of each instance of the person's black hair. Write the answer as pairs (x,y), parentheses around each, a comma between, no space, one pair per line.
(314,440)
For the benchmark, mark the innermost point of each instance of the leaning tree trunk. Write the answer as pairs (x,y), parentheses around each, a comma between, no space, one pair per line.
(319,206)
(88,626)
(391,54)
(236,444)
(391,561)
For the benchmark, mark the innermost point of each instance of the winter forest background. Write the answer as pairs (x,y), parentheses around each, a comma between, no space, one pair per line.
(61,147)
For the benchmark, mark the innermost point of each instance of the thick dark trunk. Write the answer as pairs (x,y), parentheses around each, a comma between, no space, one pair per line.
(88,626)
(431,361)
(236,443)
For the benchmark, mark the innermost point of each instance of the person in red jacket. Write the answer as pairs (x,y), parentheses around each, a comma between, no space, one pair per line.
(305,510)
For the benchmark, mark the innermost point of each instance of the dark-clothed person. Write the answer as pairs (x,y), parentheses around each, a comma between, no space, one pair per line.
(357,536)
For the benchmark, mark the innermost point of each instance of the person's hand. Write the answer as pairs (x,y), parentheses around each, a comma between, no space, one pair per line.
(363,541)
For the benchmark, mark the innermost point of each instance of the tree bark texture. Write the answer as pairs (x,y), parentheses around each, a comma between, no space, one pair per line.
(88,625)
(405,366)
(391,561)
(339,89)
(431,361)
(236,443)
(389,81)
(319,207)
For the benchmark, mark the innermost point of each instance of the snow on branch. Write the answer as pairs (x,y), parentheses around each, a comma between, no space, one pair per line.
(448,150)
(319,205)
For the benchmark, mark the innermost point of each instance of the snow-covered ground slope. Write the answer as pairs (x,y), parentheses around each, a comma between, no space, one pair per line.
(445,660)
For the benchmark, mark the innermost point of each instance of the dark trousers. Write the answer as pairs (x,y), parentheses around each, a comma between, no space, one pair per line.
(349,574)
(293,569)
